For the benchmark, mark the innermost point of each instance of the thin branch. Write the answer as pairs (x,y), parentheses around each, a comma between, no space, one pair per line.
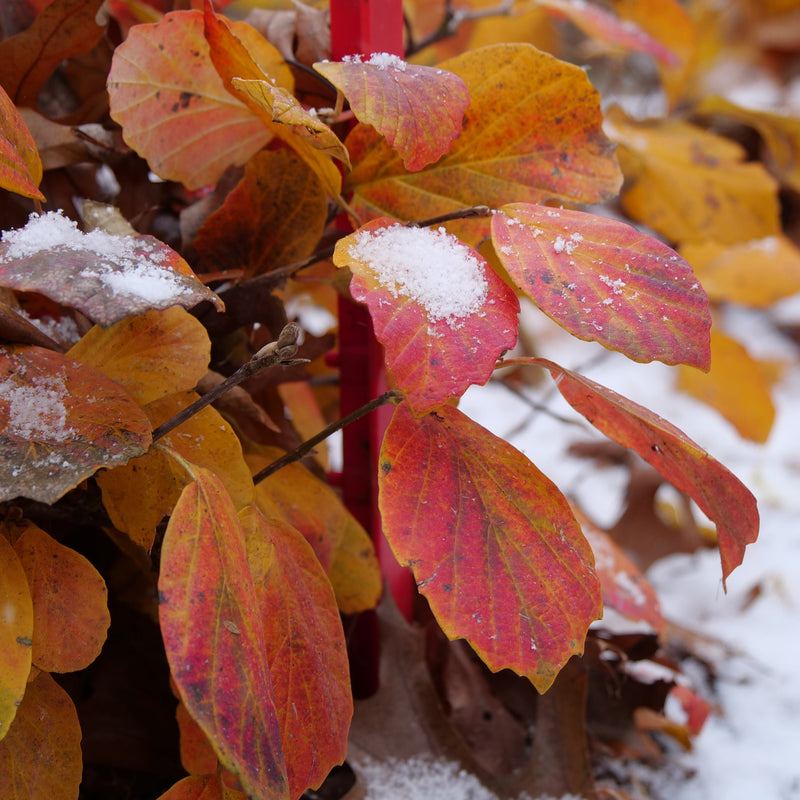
(307,446)
(274,354)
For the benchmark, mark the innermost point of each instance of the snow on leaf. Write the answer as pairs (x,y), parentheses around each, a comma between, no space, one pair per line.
(493,544)
(418,109)
(532,131)
(20,165)
(213,635)
(305,648)
(603,281)
(443,315)
(689,468)
(105,277)
(173,106)
(61,421)
(67,634)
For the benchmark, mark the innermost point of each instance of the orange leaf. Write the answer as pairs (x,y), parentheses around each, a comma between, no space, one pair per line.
(493,544)
(274,216)
(16,634)
(70,608)
(197,754)
(689,468)
(20,165)
(151,355)
(306,650)
(604,281)
(755,273)
(532,131)
(173,106)
(202,787)
(62,29)
(214,638)
(692,185)
(695,707)
(399,100)
(41,755)
(441,312)
(106,277)
(61,421)
(736,386)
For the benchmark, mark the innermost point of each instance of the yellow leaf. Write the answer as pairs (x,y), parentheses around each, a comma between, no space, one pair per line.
(355,573)
(692,185)
(736,386)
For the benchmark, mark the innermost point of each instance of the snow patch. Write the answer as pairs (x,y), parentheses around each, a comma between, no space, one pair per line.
(36,411)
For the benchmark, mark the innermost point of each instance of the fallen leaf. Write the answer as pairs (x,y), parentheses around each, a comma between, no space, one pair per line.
(604,281)
(221,675)
(20,165)
(438,342)
(493,544)
(70,602)
(61,421)
(17,329)
(401,100)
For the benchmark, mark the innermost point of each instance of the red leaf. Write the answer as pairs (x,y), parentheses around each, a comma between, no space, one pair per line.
(213,635)
(695,707)
(721,496)
(399,100)
(106,277)
(20,165)
(604,281)
(305,649)
(492,542)
(443,315)
(61,421)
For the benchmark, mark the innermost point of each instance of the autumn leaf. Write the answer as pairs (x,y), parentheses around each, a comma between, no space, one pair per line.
(70,609)
(20,165)
(756,273)
(604,281)
(62,29)
(689,468)
(41,755)
(105,277)
(532,132)
(493,544)
(61,421)
(736,386)
(305,649)
(16,635)
(273,217)
(355,574)
(442,314)
(202,787)
(173,106)
(197,754)
(690,184)
(150,355)
(417,109)
(214,638)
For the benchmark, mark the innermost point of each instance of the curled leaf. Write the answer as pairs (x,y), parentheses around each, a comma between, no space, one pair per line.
(20,165)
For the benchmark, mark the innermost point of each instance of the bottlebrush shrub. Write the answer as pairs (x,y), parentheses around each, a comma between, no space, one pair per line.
(252,575)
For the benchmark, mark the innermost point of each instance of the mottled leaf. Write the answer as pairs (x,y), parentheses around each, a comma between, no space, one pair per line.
(41,756)
(442,314)
(306,651)
(755,273)
(16,634)
(721,496)
(70,602)
(61,421)
(20,165)
(105,277)
(273,217)
(62,29)
(532,132)
(690,184)
(493,544)
(208,610)
(151,355)
(605,281)
(417,109)
(173,106)
(736,386)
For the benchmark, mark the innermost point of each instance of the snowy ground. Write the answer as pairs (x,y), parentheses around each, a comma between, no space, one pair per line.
(749,747)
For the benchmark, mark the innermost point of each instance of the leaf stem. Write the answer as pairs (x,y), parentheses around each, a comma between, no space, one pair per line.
(278,353)
(306,447)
